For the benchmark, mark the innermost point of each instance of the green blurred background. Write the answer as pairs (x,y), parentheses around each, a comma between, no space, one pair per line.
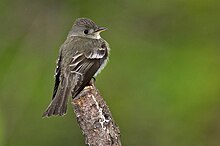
(162,83)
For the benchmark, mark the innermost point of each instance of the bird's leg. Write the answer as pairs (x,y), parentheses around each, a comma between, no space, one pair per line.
(92,81)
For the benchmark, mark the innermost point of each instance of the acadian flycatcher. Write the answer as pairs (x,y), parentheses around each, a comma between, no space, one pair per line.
(81,57)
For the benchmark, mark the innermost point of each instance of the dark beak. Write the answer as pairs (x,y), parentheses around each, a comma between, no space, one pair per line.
(100,29)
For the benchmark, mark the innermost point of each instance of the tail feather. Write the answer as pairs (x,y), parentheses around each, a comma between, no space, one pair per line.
(55,108)
(58,105)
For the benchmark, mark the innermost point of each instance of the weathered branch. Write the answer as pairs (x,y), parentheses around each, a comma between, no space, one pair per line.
(95,119)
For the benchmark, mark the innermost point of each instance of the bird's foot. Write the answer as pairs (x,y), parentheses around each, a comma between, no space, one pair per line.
(92,81)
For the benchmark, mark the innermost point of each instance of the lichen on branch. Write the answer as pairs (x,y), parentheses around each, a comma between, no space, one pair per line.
(95,119)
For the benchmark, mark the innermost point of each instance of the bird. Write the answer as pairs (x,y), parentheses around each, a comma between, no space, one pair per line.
(81,57)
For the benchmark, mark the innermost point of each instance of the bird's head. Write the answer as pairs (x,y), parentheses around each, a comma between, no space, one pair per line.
(85,27)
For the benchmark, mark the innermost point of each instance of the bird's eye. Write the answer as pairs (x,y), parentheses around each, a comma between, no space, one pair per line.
(86,31)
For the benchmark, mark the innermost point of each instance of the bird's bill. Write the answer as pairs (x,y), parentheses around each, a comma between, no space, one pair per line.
(100,29)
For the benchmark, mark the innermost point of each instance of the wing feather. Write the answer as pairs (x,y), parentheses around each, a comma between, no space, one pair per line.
(83,69)
(57,76)
(96,53)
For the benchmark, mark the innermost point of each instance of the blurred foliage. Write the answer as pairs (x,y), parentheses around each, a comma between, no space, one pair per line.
(1,130)
(162,83)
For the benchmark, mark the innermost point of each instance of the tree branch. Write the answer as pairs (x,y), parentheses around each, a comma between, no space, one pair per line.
(95,119)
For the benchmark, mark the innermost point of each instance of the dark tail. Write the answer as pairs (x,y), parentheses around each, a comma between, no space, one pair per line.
(58,105)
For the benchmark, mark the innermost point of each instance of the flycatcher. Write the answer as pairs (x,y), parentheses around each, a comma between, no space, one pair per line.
(82,56)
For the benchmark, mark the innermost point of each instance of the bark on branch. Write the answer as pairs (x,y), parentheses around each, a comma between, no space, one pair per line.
(95,119)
